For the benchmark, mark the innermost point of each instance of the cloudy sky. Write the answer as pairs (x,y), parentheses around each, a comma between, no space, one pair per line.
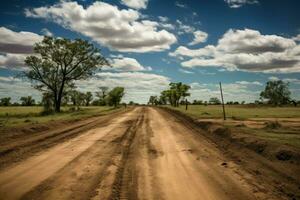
(150,43)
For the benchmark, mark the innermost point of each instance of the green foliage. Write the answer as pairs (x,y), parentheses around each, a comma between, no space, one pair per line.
(214,101)
(77,98)
(115,96)
(102,96)
(198,102)
(153,100)
(60,63)
(47,102)
(131,103)
(276,92)
(88,97)
(27,101)
(5,101)
(176,92)
(234,103)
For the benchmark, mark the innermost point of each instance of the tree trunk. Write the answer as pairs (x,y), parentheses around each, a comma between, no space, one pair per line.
(59,97)
(57,105)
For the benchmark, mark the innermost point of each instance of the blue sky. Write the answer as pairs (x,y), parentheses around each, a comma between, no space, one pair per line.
(242,43)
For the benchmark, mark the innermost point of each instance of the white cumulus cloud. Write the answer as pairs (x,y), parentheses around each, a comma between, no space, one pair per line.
(127,64)
(120,30)
(17,42)
(15,46)
(246,50)
(46,32)
(136,4)
(199,37)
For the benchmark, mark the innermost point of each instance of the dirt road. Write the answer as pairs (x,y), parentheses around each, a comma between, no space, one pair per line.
(145,153)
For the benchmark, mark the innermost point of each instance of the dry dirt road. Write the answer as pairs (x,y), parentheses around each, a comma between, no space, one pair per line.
(145,153)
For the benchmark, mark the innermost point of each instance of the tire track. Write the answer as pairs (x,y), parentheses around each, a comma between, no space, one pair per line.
(125,183)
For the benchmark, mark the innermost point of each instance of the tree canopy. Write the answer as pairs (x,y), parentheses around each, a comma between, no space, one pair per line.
(178,91)
(153,100)
(59,62)
(115,96)
(88,97)
(276,92)
(214,101)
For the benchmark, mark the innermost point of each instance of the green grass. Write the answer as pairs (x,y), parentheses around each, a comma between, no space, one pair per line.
(281,136)
(239,111)
(20,111)
(18,116)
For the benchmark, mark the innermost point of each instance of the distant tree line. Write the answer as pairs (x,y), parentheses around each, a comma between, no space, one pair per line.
(24,101)
(75,98)
(275,93)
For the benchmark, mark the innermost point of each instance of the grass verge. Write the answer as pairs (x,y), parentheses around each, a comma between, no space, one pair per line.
(239,111)
(279,126)
(20,116)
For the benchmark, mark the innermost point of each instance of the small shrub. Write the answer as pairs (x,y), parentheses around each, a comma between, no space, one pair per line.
(205,113)
(222,131)
(273,125)
(47,112)
(240,125)
(284,155)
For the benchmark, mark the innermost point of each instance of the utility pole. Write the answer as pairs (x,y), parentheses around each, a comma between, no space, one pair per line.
(224,114)
(186,104)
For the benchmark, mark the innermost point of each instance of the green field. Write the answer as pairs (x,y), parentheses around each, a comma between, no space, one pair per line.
(21,115)
(287,134)
(239,111)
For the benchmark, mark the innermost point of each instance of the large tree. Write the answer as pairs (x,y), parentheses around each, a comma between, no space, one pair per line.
(181,91)
(176,92)
(153,100)
(276,92)
(115,96)
(59,62)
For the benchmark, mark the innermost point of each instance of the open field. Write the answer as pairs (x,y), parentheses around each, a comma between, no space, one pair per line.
(253,121)
(22,115)
(138,153)
(240,111)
